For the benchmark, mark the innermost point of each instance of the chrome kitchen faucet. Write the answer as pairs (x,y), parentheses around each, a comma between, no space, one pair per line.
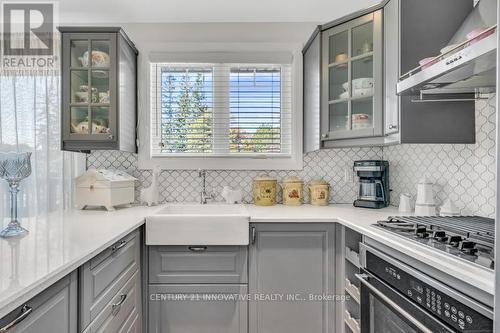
(204,196)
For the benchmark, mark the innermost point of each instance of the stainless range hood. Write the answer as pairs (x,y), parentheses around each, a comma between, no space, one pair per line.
(469,67)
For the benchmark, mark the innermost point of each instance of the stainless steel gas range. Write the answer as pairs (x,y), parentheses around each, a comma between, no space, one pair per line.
(471,238)
(403,294)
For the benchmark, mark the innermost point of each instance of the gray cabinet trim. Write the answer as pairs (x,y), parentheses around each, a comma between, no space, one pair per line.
(354,15)
(391,66)
(100,30)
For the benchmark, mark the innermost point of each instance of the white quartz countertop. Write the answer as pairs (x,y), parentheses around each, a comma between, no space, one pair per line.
(55,246)
(61,242)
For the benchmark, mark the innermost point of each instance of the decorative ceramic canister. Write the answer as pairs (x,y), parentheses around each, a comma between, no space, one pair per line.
(293,191)
(264,190)
(319,192)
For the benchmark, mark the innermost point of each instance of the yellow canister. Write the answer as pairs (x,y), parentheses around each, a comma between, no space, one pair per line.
(264,190)
(293,191)
(319,192)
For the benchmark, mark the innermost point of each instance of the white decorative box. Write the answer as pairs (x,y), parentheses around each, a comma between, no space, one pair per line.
(104,188)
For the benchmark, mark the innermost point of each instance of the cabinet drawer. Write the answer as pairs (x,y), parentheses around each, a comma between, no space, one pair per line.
(53,310)
(198,308)
(198,264)
(120,313)
(104,275)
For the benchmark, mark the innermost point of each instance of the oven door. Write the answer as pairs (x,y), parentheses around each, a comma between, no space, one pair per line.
(386,310)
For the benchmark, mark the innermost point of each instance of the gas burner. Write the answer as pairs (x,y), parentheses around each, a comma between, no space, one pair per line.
(440,236)
(468,237)
(421,232)
(454,240)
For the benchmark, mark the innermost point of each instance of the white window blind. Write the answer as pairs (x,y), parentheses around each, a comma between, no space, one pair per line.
(221,109)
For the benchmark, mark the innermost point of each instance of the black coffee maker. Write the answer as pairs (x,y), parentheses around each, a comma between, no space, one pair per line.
(373,189)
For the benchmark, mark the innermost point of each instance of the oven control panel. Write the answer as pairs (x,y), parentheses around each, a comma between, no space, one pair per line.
(446,308)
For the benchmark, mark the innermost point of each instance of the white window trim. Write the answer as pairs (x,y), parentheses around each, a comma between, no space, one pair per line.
(293,161)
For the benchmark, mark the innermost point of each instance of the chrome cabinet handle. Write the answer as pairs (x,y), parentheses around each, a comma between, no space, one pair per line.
(118,246)
(363,278)
(253,233)
(115,308)
(324,136)
(197,248)
(25,312)
(393,126)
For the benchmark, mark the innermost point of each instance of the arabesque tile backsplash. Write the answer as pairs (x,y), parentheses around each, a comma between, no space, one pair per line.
(464,173)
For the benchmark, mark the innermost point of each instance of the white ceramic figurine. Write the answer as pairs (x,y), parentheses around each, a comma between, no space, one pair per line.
(151,195)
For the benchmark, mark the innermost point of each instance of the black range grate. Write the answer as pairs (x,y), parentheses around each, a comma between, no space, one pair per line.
(475,228)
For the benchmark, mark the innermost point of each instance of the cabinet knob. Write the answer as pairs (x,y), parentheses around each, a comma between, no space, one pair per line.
(111,136)
(393,126)
(324,136)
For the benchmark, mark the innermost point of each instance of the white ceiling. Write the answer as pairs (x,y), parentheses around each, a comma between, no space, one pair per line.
(166,11)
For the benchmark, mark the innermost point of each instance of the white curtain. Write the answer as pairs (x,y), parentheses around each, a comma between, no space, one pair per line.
(30,121)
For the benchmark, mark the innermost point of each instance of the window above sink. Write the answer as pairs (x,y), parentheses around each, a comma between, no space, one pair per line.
(243,109)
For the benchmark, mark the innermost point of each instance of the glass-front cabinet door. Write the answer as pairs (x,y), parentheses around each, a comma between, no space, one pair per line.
(352,79)
(89,100)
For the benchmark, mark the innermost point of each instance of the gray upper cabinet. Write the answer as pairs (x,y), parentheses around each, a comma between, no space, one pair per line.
(53,310)
(344,83)
(99,89)
(417,29)
(351,106)
(296,261)
(352,66)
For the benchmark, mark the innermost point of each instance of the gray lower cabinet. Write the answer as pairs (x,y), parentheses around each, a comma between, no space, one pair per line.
(197,289)
(295,261)
(209,308)
(110,288)
(53,310)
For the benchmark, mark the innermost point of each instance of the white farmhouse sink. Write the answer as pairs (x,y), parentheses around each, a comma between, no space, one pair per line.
(195,224)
